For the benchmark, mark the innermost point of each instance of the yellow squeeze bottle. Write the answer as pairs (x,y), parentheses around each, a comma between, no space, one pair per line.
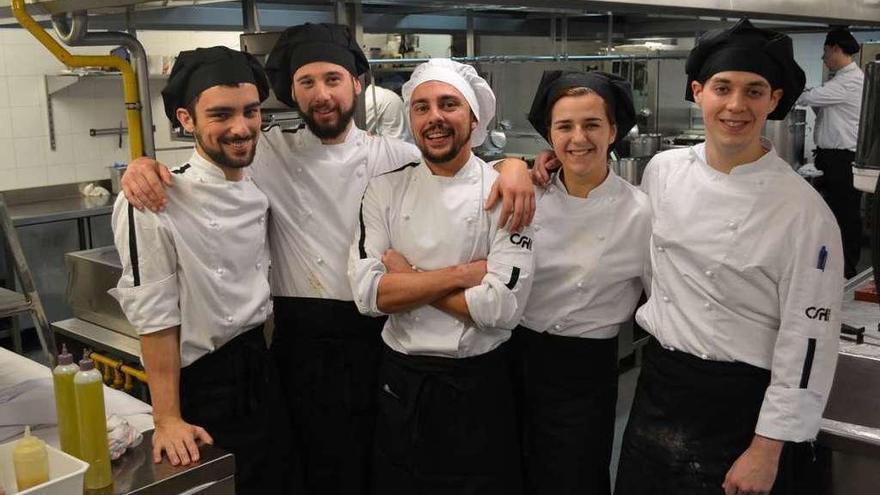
(65,402)
(31,461)
(88,386)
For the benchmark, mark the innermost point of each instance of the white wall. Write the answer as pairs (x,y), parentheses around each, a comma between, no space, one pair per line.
(26,159)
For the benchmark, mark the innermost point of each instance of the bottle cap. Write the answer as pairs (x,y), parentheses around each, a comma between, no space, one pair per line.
(65,357)
(86,364)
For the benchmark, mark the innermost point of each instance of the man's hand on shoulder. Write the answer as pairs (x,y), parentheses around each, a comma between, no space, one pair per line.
(514,187)
(144,184)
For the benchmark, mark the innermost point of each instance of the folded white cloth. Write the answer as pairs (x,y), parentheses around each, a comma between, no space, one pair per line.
(121,436)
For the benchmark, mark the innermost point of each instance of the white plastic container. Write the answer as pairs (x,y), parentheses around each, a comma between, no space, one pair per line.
(65,473)
(865,179)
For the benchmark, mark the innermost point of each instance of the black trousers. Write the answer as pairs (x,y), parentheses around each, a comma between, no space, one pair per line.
(234,394)
(844,200)
(690,420)
(328,355)
(566,399)
(446,426)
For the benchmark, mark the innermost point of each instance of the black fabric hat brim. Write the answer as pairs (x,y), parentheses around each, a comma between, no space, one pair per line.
(194,71)
(773,46)
(844,39)
(307,43)
(615,90)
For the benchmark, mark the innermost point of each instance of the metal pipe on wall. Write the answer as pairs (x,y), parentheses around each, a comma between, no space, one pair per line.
(129,81)
(250,16)
(506,59)
(76,33)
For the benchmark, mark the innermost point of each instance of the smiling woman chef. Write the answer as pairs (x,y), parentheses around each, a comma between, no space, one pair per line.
(747,285)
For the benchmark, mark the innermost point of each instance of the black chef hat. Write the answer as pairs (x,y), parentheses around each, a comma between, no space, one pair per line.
(197,70)
(844,39)
(615,90)
(307,43)
(744,47)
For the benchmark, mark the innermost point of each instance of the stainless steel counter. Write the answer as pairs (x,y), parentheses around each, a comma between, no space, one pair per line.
(99,338)
(60,209)
(135,473)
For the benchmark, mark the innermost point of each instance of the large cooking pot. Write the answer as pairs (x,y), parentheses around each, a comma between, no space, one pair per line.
(644,145)
(631,169)
(787,136)
(868,147)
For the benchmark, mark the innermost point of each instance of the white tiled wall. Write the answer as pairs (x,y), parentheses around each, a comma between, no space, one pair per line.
(26,159)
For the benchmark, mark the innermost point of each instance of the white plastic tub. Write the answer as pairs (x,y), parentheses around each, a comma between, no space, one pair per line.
(65,473)
(865,179)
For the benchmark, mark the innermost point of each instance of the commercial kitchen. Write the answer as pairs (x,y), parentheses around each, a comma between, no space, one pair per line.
(85,89)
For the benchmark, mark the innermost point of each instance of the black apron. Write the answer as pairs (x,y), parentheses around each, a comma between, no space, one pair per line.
(566,400)
(328,357)
(844,200)
(691,419)
(446,426)
(234,394)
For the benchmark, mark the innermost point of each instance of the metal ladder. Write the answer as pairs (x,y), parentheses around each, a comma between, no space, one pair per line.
(14,303)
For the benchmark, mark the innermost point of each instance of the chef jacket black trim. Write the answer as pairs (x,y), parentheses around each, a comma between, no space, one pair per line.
(181,169)
(132,246)
(363,237)
(401,168)
(514,278)
(808,363)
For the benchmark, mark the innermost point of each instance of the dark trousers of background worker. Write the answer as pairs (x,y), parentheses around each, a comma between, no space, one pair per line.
(446,426)
(566,390)
(836,186)
(691,419)
(234,394)
(328,356)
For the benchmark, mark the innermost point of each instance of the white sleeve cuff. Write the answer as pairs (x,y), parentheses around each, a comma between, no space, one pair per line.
(152,306)
(790,414)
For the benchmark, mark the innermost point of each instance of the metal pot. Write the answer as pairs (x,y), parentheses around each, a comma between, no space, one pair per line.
(631,169)
(644,145)
(787,136)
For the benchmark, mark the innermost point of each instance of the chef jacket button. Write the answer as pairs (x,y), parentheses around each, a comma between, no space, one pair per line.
(262,219)
(299,170)
(406,216)
(320,261)
(213,224)
(259,265)
(704,356)
(732,225)
(474,180)
(580,285)
(665,299)
(601,237)
(707,305)
(202,180)
(263,308)
(660,248)
(416,318)
(359,173)
(557,327)
(469,219)
(709,273)
(229,319)
(536,227)
(220,271)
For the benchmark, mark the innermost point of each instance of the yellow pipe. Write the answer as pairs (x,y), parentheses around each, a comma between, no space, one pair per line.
(129,82)
(119,369)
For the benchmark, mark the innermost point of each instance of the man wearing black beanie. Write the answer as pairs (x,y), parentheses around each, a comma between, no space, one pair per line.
(837,104)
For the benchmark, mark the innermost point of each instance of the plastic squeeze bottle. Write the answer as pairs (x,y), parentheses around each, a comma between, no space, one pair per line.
(88,386)
(31,461)
(65,402)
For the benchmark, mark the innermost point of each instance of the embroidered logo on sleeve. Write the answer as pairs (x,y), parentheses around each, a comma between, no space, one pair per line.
(521,241)
(815,313)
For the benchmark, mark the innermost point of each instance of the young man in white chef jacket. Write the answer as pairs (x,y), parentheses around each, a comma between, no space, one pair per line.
(454,284)
(746,293)
(195,280)
(314,178)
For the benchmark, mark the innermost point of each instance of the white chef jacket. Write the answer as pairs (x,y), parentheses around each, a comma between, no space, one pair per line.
(591,258)
(739,275)
(437,222)
(386,113)
(837,104)
(203,263)
(314,193)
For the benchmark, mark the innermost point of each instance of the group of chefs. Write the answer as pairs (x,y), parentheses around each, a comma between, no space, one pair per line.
(441,326)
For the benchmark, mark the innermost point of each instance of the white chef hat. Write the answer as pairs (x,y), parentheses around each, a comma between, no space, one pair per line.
(464,78)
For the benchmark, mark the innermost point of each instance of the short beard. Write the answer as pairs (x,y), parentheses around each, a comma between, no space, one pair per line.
(219,157)
(332,131)
(457,145)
